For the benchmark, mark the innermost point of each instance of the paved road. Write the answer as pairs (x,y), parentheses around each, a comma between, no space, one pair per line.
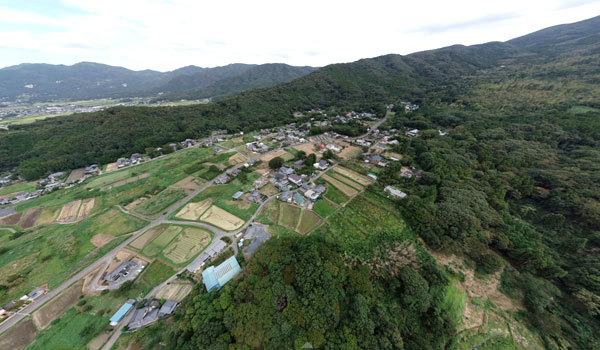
(376,125)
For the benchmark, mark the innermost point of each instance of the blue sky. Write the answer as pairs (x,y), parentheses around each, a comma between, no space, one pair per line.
(167,34)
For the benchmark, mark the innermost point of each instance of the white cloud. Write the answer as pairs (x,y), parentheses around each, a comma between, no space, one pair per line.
(163,35)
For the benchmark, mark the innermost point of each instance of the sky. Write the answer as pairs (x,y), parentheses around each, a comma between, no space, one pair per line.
(168,34)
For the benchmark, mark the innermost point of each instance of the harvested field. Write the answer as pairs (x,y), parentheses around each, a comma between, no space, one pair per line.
(189,183)
(222,219)
(350,152)
(346,180)
(308,222)
(175,291)
(147,236)
(30,217)
(11,220)
(76,175)
(288,216)
(101,239)
(347,190)
(361,179)
(280,153)
(187,244)
(47,216)
(135,203)
(308,148)
(236,159)
(86,208)
(160,242)
(55,307)
(19,336)
(69,211)
(193,211)
(130,180)
(112,166)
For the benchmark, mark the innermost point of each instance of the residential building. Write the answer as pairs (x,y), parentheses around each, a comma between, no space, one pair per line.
(396,193)
(167,308)
(295,179)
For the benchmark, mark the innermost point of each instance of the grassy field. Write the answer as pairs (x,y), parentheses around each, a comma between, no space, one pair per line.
(289,216)
(269,213)
(23,186)
(221,197)
(335,195)
(152,276)
(159,243)
(308,222)
(324,208)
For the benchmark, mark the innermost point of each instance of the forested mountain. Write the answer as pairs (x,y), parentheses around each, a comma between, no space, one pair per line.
(87,80)
(517,174)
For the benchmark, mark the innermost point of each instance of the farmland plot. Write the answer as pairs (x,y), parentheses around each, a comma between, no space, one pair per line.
(47,216)
(175,291)
(160,202)
(86,208)
(308,222)
(288,216)
(160,242)
(222,219)
(147,236)
(192,211)
(11,220)
(187,244)
(363,180)
(346,181)
(345,189)
(69,211)
(30,217)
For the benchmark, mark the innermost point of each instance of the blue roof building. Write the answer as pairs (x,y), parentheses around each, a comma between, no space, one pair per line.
(216,277)
(118,316)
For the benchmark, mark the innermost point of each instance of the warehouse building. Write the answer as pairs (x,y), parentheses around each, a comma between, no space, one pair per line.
(216,277)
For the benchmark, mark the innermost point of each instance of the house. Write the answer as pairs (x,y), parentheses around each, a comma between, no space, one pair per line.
(260,182)
(121,162)
(412,133)
(286,197)
(295,179)
(321,165)
(298,164)
(283,185)
(255,197)
(212,251)
(233,172)
(396,193)
(91,169)
(136,158)
(334,148)
(123,310)
(37,292)
(167,308)
(216,277)
(237,195)
(222,179)
(298,199)
(285,170)
(312,195)
(143,317)
(320,189)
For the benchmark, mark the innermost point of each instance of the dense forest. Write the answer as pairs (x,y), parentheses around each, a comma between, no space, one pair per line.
(515,176)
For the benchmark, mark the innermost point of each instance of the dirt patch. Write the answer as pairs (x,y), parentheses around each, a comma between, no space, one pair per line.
(120,256)
(269,190)
(135,203)
(101,239)
(238,140)
(347,190)
(236,159)
(19,336)
(86,208)
(239,204)
(130,180)
(30,217)
(222,219)
(55,307)
(11,220)
(147,236)
(189,183)
(76,175)
(69,211)
(262,171)
(192,211)
(112,166)
(175,291)
(308,148)
(350,152)
(87,282)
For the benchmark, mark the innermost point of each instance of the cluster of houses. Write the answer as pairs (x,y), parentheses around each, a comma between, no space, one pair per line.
(376,159)
(409,107)
(135,158)
(257,147)
(14,306)
(410,171)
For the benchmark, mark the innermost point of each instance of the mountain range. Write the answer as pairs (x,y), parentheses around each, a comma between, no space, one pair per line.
(88,80)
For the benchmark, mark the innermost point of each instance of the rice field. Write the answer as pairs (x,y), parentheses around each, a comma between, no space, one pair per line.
(221,218)
(354,176)
(187,244)
(69,211)
(161,242)
(193,210)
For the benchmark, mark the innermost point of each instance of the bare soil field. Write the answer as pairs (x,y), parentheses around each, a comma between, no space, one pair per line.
(11,220)
(222,219)
(30,217)
(262,170)
(47,216)
(86,208)
(76,175)
(308,148)
(55,307)
(280,153)
(101,239)
(112,166)
(149,235)
(189,183)
(130,180)
(236,159)
(346,180)
(187,244)
(350,152)
(135,203)
(69,211)
(175,291)
(193,211)
(19,336)
(361,179)
(347,190)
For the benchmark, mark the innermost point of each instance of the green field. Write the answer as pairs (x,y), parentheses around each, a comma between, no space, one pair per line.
(23,186)
(221,196)
(161,241)
(289,216)
(308,221)
(269,213)
(160,202)
(324,208)
(335,195)
(152,276)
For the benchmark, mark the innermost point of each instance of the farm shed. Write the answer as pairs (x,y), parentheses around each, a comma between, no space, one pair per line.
(118,316)
(216,277)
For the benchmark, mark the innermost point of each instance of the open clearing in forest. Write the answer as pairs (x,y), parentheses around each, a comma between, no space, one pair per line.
(76,175)
(112,166)
(101,239)
(363,180)
(175,291)
(346,181)
(130,180)
(30,217)
(162,241)
(19,336)
(308,221)
(221,218)
(55,307)
(147,236)
(86,208)
(188,243)
(280,153)
(288,216)
(345,189)
(193,210)
(69,211)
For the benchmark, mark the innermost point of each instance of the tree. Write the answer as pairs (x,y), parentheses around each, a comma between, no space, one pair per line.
(311,159)
(276,163)
(328,154)
(300,155)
